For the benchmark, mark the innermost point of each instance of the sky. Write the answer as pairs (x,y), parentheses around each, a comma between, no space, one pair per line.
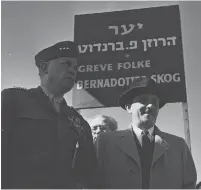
(28,27)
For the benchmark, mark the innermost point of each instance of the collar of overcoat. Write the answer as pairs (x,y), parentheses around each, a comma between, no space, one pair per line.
(126,142)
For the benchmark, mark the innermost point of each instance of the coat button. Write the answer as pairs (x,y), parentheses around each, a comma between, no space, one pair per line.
(131,172)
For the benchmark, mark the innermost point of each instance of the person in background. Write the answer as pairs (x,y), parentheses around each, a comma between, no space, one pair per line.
(198,186)
(142,156)
(46,144)
(102,123)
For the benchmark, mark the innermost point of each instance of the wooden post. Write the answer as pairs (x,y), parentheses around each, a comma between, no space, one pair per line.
(186,124)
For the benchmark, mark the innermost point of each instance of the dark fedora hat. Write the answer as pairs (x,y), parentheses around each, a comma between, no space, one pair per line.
(141,86)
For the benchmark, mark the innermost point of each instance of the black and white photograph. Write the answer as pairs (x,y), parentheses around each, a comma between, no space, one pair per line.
(100,94)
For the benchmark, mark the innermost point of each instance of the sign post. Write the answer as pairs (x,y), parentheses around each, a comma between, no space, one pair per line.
(186,124)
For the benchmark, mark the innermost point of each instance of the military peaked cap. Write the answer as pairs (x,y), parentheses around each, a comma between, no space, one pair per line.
(61,49)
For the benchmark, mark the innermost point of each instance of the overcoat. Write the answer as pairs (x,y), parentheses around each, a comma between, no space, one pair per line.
(42,148)
(172,164)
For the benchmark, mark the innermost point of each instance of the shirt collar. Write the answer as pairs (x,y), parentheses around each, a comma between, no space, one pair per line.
(51,96)
(138,132)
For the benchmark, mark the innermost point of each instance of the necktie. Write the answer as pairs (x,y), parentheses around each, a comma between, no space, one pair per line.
(145,139)
(145,161)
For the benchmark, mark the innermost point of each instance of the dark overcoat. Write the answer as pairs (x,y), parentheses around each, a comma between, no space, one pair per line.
(41,148)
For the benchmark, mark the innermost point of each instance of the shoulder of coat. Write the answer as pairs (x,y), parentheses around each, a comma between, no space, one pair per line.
(20,88)
(76,113)
(14,89)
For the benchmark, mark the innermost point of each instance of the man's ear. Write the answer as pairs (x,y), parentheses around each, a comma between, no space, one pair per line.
(44,67)
(128,108)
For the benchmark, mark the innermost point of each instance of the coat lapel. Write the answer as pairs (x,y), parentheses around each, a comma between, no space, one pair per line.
(127,144)
(161,145)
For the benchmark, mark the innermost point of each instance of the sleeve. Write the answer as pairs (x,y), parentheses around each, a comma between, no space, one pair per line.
(7,111)
(189,171)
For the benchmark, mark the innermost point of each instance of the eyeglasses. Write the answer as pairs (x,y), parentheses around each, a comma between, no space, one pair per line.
(100,127)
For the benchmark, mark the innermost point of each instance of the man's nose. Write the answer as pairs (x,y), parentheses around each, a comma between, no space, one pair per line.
(98,130)
(149,106)
(73,67)
(72,72)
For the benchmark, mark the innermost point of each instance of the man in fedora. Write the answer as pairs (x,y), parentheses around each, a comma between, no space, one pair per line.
(142,156)
(46,144)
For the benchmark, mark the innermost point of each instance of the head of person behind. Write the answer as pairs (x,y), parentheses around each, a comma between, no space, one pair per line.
(102,123)
(58,67)
(198,186)
(142,100)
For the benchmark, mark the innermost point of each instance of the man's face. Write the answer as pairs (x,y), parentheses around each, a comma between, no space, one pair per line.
(98,125)
(144,109)
(62,73)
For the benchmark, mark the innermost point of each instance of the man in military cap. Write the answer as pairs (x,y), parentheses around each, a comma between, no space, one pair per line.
(45,142)
(142,156)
